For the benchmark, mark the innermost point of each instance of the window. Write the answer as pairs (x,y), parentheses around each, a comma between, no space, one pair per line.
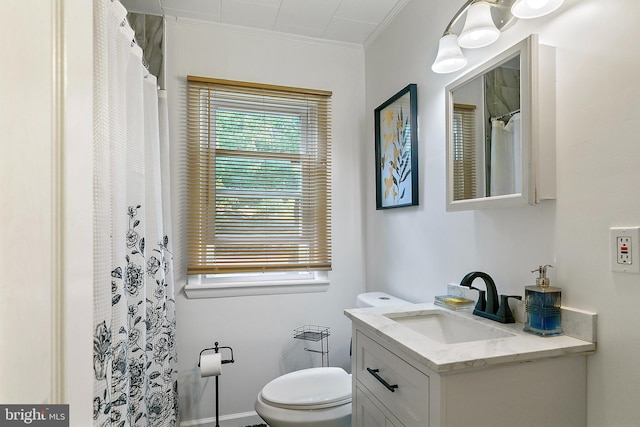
(464,152)
(258,160)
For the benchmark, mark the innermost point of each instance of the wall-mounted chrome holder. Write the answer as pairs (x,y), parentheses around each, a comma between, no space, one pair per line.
(223,361)
(315,333)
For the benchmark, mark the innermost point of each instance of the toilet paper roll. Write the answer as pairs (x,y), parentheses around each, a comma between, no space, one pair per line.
(210,364)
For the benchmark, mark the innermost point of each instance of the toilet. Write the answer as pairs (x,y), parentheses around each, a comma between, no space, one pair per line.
(314,397)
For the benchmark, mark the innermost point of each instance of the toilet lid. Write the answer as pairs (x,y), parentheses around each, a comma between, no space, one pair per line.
(315,387)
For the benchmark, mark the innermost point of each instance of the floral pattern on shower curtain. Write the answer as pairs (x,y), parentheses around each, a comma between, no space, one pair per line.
(134,355)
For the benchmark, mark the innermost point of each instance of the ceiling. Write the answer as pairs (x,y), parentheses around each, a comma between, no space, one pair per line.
(351,21)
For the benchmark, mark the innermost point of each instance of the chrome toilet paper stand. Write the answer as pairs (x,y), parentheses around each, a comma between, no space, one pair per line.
(224,361)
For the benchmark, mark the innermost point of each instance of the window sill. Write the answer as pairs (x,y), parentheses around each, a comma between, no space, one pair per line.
(238,289)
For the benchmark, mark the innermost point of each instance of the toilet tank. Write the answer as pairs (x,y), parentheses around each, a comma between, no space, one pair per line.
(378,299)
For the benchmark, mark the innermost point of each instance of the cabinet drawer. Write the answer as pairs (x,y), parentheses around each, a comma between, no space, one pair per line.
(368,413)
(401,388)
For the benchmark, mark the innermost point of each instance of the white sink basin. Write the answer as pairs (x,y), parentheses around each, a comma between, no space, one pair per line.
(446,327)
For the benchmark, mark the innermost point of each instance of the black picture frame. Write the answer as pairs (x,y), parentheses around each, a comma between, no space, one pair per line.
(396,150)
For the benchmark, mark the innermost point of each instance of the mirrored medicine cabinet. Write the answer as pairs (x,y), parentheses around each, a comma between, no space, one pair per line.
(501,130)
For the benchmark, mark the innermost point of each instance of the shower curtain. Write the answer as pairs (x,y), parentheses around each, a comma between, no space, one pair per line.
(134,357)
(505,157)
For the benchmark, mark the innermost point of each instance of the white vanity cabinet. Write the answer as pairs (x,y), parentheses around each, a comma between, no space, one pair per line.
(369,412)
(540,392)
(408,387)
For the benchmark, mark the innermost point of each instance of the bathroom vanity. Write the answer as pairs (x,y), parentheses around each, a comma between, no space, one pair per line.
(422,365)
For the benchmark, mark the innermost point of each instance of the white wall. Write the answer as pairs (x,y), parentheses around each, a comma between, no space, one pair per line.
(46,213)
(26,216)
(260,328)
(414,252)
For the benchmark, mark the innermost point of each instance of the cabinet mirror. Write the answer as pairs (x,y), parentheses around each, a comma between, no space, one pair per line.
(490,131)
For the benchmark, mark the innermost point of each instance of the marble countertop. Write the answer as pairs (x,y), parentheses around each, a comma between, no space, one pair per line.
(520,346)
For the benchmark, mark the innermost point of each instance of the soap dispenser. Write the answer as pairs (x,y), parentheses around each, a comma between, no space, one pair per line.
(542,304)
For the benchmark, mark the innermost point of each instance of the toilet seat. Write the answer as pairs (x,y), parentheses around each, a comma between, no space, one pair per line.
(314,388)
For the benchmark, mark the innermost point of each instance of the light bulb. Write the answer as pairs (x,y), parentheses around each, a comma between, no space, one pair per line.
(450,57)
(537,4)
(479,29)
(527,9)
(478,35)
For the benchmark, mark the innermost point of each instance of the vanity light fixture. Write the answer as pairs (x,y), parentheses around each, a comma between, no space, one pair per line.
(450,57)
(484,19)
(527,9)
(479,29)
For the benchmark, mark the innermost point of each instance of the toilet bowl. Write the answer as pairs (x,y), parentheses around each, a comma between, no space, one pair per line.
(315,397)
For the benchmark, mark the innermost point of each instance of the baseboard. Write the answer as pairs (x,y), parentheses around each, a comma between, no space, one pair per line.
(233,420)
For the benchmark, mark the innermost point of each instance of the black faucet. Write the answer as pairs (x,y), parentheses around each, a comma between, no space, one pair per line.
(489,308)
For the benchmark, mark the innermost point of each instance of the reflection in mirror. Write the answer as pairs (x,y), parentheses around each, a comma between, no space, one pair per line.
(502,136)
(486,144)
(464,152)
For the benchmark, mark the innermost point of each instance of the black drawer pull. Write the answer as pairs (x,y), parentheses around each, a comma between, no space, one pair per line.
(374,372)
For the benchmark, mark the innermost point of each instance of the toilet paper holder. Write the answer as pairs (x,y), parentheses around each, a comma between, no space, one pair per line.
(216,348)
(223,361)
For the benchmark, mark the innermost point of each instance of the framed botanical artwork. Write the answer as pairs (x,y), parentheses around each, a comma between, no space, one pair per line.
(396,128)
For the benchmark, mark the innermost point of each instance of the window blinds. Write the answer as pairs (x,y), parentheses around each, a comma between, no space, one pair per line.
(258,159)
(464,152)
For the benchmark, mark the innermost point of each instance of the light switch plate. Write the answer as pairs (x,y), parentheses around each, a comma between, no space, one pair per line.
(625,249)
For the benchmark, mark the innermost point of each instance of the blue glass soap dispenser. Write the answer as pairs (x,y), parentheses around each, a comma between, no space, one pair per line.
(542,304)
